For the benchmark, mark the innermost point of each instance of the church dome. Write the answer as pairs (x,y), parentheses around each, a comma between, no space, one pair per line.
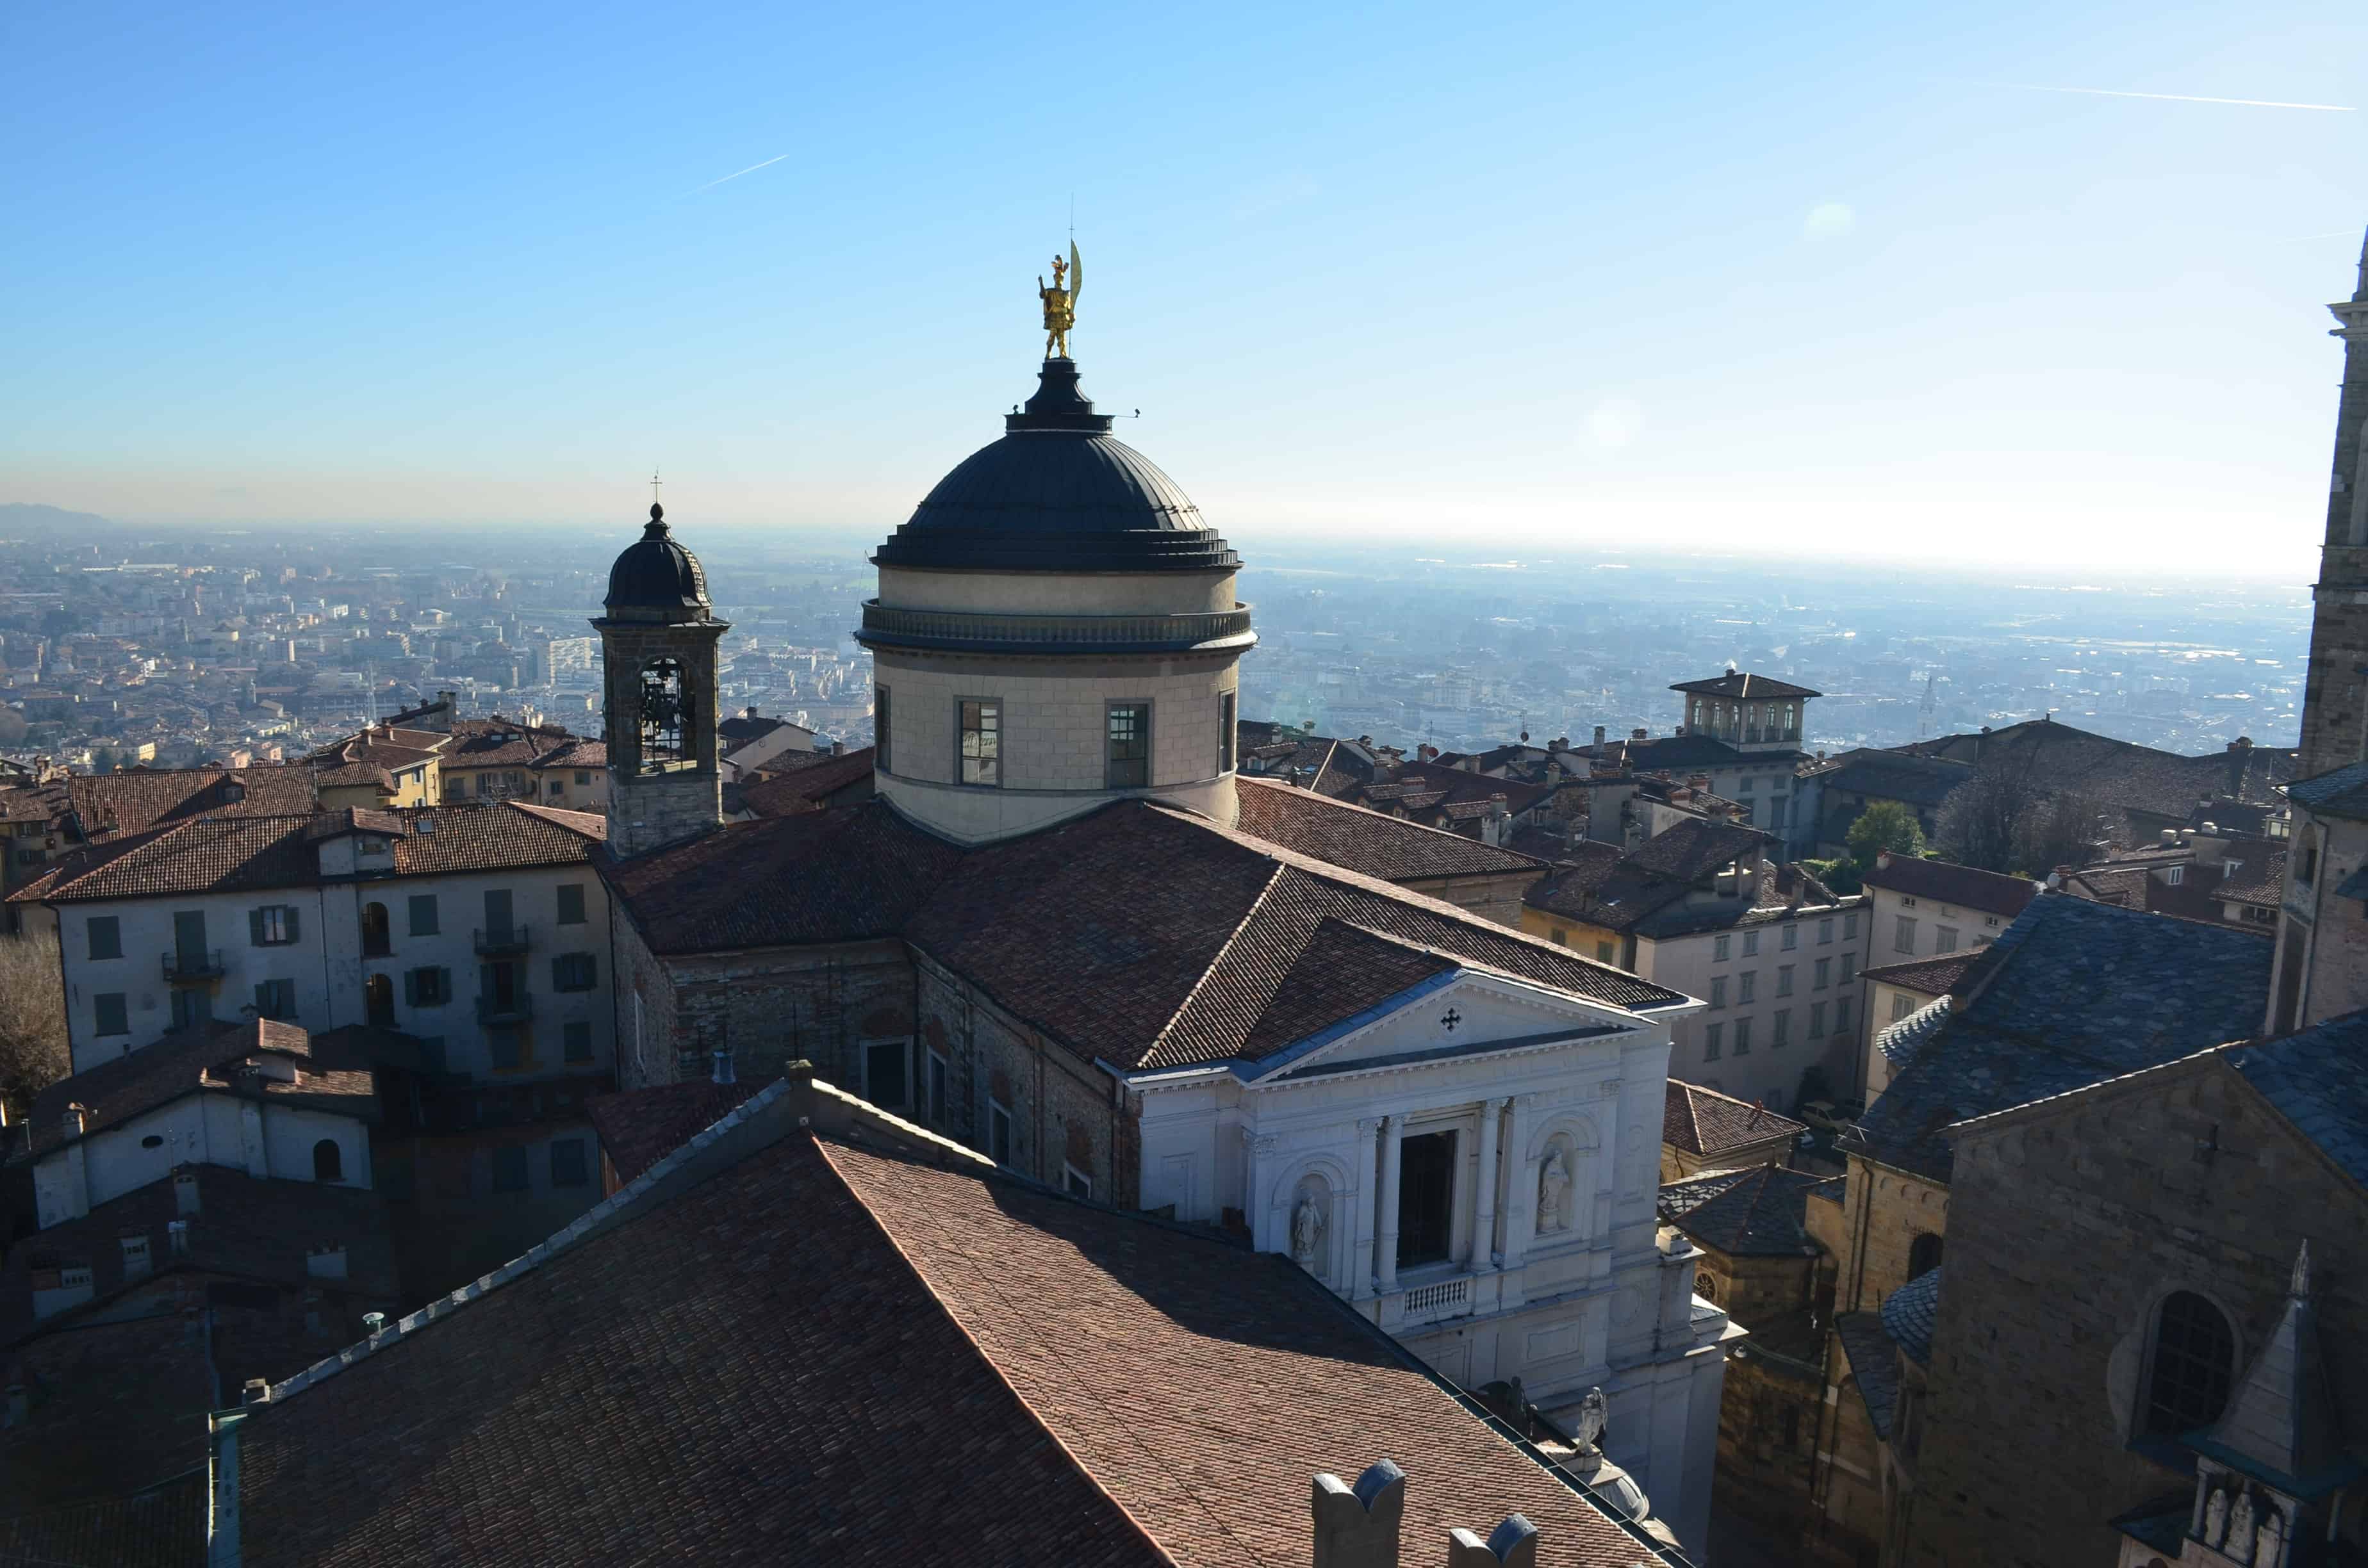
(656,573)
(1058,493)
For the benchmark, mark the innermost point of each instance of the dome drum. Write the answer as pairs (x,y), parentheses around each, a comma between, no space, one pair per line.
(962,632)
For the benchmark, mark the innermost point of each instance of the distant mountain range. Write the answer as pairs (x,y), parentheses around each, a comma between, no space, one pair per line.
(32,518)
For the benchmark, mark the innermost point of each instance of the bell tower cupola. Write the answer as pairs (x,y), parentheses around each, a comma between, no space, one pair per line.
(658,642)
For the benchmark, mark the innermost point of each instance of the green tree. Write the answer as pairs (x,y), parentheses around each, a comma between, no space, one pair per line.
(1886,824)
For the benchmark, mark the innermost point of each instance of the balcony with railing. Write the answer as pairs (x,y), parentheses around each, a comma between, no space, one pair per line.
(194,966)
(501,941)
(971,631)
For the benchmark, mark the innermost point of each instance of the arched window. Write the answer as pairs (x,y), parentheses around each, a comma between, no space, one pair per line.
(378,1001)
(378,937)
(328,1161)
(1923,1254)
(665,716)
(2194,1357)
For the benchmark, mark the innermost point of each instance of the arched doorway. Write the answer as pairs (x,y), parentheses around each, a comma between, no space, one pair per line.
(378,998)
(328,1161)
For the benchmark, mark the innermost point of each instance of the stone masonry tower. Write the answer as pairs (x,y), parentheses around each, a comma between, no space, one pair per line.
(2335,694)
(658,642)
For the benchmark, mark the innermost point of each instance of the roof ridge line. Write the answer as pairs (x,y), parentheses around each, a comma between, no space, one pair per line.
(611,1208)
(1217,961)
(989,1279)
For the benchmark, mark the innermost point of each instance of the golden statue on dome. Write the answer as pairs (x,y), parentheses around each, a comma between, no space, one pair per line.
(1061,303)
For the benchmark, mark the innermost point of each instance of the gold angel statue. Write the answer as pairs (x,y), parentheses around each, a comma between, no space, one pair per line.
(1061,303)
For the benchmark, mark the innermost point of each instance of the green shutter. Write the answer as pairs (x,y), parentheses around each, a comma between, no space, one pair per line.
(255,927)
(295,932)
(411,988)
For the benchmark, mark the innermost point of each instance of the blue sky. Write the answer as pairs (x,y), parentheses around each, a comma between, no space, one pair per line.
(1786,280)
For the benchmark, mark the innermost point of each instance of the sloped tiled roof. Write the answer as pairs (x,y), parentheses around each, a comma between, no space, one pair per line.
(1874,1365)
(1761,1211)
(1947,975)
(192,1062)
(1124,1394)
(1704,1121)
(2063,758)
(1343,971)
(637,1127)
(1910,1312)
(805,785)
(1697,847)
(164,1526)
(1362,840)
(1946,882)
(138,799)
(2314,1079)
(1745,688)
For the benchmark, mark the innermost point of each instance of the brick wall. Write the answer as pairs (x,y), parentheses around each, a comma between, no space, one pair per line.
(2070,1227)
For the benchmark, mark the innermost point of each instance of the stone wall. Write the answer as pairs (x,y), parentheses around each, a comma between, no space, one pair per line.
(1768,1420)
(2072,1225)
(646,810)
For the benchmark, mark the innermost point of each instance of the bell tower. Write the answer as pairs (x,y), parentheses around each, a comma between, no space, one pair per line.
(658,641)
(2335,690)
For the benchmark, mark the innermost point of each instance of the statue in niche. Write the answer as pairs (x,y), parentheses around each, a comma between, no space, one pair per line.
(2269,1538)
(2240,1528)
(2215,1517)
(1587,1427)
(1554,1193)
(1306,1231)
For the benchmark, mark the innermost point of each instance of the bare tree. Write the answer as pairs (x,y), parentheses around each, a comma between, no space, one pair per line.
(1980,822)
(2057,830)
(33,1053)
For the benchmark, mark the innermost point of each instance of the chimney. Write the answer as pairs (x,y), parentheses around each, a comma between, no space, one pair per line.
(723,1071)
(838,748)
(185,1193)
(1358,1526)
(1882,860)
(2169,838)
(1640,734)
(748,712)
(1598,735)
(256,1390)
(1513,1544)
(74,1121)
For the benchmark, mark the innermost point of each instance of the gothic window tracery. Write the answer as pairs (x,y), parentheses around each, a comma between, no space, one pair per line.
(664,716)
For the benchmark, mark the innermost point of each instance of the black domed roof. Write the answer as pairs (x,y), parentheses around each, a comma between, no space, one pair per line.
(655,573)
(1057,494)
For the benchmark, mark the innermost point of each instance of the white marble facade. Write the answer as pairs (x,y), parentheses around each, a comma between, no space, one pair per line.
(1554,1270)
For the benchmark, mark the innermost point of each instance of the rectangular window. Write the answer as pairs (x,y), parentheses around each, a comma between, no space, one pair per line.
(1781,1032)
(1944,938)
(1850,966)
(1426,1193)
(1989,920)
(1825,930)
(1825,974)
(508,1051)
(1718,947)
(1842,1015)
(1128,762)
(1816,1020)
(1745,784)
(1229,731)
(571,1163)
(192,1008)
(1560,937)
(1718,991)
(998,1134)
(423,914)
(1078,1183)
(1903,936)
(880,755)
(275,999)
(109,1014)
(1743,1037)
(1751,944)
(583,776)
(1901,1005)
(273,926)
(1713,1034)
(1784,980)
(509,1168)
(1603,953)
(1907,902)
(937,1076)
(574,971)
(982,741)
(1849,927)
(106,934)
(884,1073)
(571,903)
(428,987)
(578,1035)
(1746,987)
(1792,937)
(557,788)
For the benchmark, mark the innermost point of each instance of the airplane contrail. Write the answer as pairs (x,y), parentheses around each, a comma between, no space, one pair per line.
(751,169)
(2183,98)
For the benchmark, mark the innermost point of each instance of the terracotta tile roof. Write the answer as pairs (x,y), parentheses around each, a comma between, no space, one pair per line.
(1745,687)
(1427,784)
(138,798)
(575,753)
(162,1528)
(1343,971)
(1759,1212)
(831,876)
(1363,840)
(195,1061)
(2063,758)
(117,1407)
(1706,1122)
(1127,1393)
(637,1127)
(1952,974)
(805,785)
(1697,847)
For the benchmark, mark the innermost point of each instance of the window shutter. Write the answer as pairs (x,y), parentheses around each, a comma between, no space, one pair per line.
(263,998)
(443,985)
(411,988)
(294,931)
(559,972)
(255,927)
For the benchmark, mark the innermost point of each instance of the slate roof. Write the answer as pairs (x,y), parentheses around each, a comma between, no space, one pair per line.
(1746,687)
(1873,1366)
(1890,776)
(1697,847)
(1761,1211)
(1704,1121)
(2314,1079)
(637,1127)
(1601,888)
(1900,1042)
(2339,792)
(234,854)
(198,1062)
(1124,1394)
(1362,840)
(1946,882)
(2082,992)
(2063,758)
(1910,1312)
